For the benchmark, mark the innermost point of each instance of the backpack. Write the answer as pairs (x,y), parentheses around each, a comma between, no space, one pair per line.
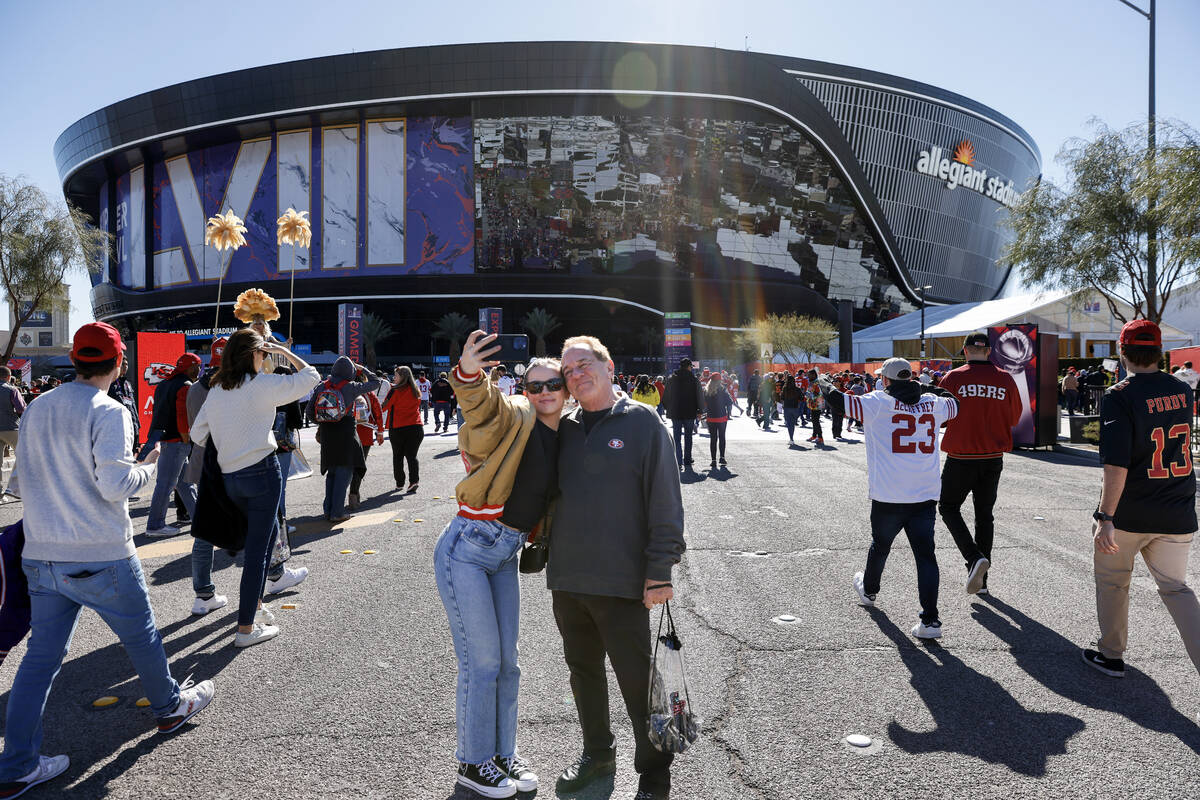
(329,405)
(362,412)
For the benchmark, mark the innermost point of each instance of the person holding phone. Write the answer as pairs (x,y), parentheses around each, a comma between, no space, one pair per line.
(509,444)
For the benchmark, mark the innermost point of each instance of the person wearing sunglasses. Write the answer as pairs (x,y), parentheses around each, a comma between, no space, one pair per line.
(509,444)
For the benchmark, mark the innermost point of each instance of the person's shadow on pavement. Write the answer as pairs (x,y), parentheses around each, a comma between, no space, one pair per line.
(974,715)
(1053,661)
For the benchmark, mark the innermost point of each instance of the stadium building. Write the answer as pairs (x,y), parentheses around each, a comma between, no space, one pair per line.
(608,183)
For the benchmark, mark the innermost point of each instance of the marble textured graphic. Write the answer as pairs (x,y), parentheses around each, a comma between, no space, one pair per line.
(386,157)
(441,196)
(339,198)
(137,227)
(293,168)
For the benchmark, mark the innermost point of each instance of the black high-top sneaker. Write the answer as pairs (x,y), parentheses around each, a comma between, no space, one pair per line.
(487,779)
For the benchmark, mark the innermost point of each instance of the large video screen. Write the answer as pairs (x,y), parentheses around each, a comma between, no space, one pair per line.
(649,196)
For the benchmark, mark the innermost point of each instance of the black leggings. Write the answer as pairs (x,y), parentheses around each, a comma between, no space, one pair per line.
(716,434)
(405,443)
(359,472)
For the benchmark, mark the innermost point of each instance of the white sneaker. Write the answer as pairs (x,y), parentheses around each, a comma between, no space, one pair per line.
(202,606)
(48,767)
(864,599)
(164,532)
(264,616)
(260,634)
(192,700)
(977,575)
(291,529)
(931,631)
(289,578)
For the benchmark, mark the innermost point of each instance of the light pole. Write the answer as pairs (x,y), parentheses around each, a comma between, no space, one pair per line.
(922,290)
(1152,233)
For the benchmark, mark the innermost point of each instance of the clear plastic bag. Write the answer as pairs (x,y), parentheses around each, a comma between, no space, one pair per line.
(673,725)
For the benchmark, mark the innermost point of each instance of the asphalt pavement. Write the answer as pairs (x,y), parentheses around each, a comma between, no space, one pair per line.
(355,699)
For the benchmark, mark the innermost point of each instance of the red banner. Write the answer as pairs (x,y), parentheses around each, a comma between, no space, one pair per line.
(156,357)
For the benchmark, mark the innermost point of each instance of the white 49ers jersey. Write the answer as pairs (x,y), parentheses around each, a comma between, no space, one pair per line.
(902,444)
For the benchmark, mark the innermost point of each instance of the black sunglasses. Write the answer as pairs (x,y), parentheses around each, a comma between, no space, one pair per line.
(537,387)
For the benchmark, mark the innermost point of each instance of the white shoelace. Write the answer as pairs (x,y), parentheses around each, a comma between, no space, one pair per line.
(489,771)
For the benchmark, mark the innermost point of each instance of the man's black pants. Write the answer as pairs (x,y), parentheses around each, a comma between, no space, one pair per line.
(980,478)
(592,626)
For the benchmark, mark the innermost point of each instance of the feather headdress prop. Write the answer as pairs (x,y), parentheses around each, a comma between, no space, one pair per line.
(294,228)
(224,232)
(255,305)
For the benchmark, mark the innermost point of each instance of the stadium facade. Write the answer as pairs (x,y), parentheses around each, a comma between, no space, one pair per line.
(608,183)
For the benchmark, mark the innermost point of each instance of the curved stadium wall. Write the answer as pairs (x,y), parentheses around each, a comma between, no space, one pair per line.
(608,183)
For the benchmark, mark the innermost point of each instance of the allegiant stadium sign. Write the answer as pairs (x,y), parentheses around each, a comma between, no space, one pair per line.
(960,171)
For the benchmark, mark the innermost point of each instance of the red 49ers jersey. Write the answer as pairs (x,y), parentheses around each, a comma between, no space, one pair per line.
(902,444)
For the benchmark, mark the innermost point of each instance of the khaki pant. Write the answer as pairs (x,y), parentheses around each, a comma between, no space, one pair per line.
(1166,556)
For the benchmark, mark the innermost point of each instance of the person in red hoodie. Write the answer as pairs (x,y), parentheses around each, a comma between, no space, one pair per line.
(975,444)
(368,424)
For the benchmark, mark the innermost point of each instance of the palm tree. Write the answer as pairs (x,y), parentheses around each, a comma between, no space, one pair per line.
(374,331)
(453,327)
(541,323)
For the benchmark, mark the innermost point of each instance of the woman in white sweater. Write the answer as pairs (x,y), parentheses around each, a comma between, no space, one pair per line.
(238,415)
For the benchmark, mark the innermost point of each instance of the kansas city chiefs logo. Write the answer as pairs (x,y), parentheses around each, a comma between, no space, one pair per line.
(615,444)
(157,373)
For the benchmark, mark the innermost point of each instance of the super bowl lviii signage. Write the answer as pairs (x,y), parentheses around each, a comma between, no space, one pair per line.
(156,357)
(350,340)
(960,171)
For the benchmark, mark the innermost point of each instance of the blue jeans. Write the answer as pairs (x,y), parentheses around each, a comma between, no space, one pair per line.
(116,590)
(475,562)
(285,466)
(255,490)
(152,438)
(171,462)
(441,414)
(683,450)
(337,483)
(916,519)
(790,417)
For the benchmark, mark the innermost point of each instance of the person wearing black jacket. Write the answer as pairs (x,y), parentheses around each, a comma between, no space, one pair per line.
(616,535)
(121,390)
(442,395)
(717,405)
(683,401)
(792,398)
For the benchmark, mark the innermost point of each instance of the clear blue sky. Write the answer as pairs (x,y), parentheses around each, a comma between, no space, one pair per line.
(1051,65)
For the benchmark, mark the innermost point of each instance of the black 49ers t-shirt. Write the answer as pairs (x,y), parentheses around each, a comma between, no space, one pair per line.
(1146,427)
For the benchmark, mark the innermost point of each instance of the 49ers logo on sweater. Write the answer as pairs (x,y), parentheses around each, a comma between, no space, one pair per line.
(982,390)
(615,444)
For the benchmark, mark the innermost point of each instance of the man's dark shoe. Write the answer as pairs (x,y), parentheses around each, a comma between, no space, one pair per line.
(1113,667)
(652,794)
(585,770)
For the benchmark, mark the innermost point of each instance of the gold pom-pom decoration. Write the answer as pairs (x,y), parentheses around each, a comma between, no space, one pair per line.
(224,231)
(255,305)
(294,228)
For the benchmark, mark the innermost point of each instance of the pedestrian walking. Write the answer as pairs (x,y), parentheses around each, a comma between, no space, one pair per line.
(237,417)
(814,401)
(170,420)
(405,430)
(645,392)
(975,443)
(1070,389)
(121,390)
(368,426)
(683,403)
(12,406)
(901,430)
(341,452)
(752,385)
(75,454)
(717,405)
(423,387)
(617,533)
(1147,500)
(793,400)
(443,397)
(510,446)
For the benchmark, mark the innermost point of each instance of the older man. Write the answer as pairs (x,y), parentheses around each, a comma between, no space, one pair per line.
(618,531)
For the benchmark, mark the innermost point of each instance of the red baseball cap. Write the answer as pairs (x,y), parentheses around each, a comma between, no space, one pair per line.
(1141,331)
(218,348)
(95,342)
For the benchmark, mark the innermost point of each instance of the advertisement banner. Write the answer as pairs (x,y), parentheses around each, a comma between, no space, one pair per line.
(1014,350)
(491,320)
(350,342)
(677,329)
(42,318)
(156,357)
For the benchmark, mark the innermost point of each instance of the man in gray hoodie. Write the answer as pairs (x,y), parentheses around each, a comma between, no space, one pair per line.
(617,532)
(341,452)
(75,454)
